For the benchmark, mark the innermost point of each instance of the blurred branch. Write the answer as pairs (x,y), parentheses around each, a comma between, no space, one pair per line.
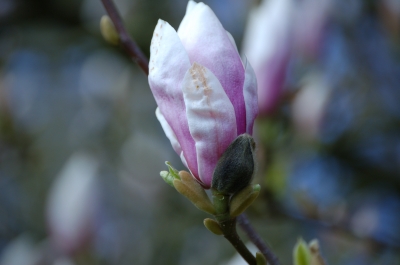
(244,223)
(127,42)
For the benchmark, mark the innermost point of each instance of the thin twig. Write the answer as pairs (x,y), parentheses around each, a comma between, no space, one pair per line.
(244,223)
(127,42)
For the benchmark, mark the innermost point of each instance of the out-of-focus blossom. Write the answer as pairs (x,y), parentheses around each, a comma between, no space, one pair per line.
(72,204)
(310,20)
(206,95)
(275,30)
(267,45)
(309,106)
(21,251)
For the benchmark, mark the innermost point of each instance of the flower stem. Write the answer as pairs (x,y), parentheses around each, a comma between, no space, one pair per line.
(130,46)
(229,229)
(228,226)
(244,223)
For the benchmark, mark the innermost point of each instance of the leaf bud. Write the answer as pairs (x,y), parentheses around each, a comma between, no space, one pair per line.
(213,226)
(191,189)
(108,30)
(301,253)
(243,199)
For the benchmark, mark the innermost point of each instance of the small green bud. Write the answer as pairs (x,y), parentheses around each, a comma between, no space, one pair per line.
(170,175)
(316,258)
(301,253)
(235,169)
(243,199)
(167,177)
(260,259)
(108,30)
(172,170)
(192,190)
(213,226)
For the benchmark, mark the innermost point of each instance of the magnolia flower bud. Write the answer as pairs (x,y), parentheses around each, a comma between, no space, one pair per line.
(206,95)
(235,168)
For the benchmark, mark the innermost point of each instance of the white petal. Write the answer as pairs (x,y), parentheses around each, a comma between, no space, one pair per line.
(168,132)
(189,8)
(250,96)
(170,135)
(211,117)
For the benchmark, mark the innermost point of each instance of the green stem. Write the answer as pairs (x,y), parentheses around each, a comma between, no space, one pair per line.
(228,226)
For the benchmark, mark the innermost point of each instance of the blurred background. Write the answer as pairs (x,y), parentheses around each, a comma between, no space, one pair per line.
(81,149)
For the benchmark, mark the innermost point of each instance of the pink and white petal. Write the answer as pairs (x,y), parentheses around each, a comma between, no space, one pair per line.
(250,96)
(208,44)
(168,65)
(211,118)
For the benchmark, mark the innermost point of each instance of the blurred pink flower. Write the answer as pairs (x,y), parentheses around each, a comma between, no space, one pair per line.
(267,45)
(274,31)
(206,95)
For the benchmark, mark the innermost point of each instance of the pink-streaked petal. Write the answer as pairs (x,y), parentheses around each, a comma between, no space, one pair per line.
(211,117)
(168,65)
(250,97)
(208,44)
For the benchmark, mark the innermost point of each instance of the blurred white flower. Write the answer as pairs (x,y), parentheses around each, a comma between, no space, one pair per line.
(21,251)
(72,203)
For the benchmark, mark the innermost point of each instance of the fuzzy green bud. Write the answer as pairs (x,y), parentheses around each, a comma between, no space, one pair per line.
(235,169)
(170,175)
